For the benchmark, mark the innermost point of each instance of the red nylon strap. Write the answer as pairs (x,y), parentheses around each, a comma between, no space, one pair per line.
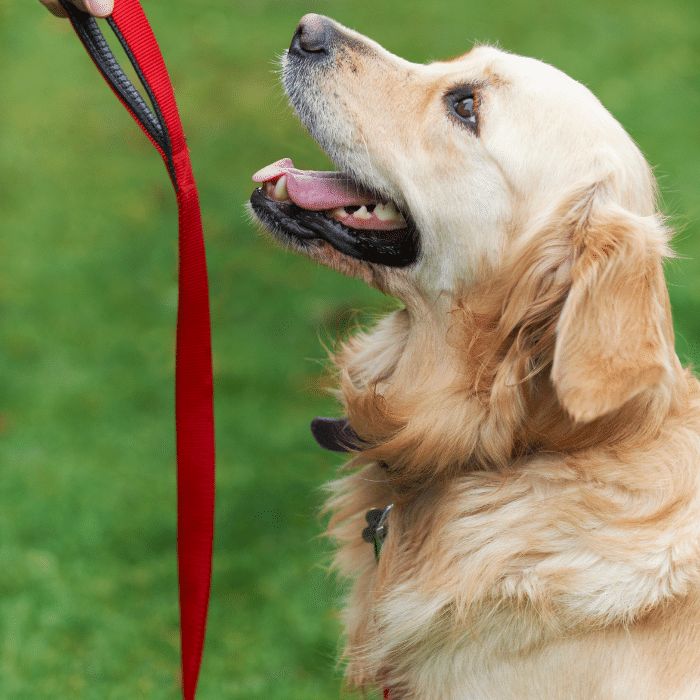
(193,372)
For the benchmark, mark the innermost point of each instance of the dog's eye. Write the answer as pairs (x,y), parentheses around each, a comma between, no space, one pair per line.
(465,108)
(462,106)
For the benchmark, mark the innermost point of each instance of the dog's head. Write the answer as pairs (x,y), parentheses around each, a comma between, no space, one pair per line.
(493,183)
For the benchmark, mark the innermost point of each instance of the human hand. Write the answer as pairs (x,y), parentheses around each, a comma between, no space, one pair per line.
(98,8)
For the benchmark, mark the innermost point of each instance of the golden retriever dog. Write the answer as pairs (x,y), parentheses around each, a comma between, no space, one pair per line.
(524,413)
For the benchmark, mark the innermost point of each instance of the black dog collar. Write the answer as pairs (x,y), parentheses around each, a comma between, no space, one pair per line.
(335,434)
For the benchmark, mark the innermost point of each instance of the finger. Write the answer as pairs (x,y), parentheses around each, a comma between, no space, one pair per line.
(98,8)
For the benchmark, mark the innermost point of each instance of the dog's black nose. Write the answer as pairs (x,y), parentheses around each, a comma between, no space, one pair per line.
(313,35)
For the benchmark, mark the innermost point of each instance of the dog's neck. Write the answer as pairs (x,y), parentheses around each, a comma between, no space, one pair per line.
(419,393)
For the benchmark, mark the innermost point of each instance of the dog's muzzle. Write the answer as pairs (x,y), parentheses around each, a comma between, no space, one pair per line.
(308,207)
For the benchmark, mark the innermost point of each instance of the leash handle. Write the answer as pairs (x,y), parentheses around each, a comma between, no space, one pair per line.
(194,413)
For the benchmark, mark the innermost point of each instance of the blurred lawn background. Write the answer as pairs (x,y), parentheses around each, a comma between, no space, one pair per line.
(87,310)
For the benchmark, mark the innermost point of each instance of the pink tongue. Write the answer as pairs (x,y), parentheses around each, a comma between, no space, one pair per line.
(316,190)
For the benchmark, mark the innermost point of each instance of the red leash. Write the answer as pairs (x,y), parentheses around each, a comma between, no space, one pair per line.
(194,410)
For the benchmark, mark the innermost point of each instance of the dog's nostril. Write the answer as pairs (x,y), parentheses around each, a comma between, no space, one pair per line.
(311,35)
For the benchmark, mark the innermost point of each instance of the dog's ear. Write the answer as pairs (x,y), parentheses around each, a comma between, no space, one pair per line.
(614,338)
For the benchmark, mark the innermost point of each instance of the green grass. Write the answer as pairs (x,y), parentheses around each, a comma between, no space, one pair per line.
(87,308)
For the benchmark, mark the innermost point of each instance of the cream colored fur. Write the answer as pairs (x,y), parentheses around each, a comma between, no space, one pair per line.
(541,436)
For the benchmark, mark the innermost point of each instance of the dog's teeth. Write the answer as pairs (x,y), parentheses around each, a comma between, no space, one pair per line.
(387,212)
(281,193)
(380,211)
(339,213)
(269,188)
(362,213)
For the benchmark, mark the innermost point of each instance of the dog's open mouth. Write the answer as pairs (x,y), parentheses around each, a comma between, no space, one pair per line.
(309,205)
